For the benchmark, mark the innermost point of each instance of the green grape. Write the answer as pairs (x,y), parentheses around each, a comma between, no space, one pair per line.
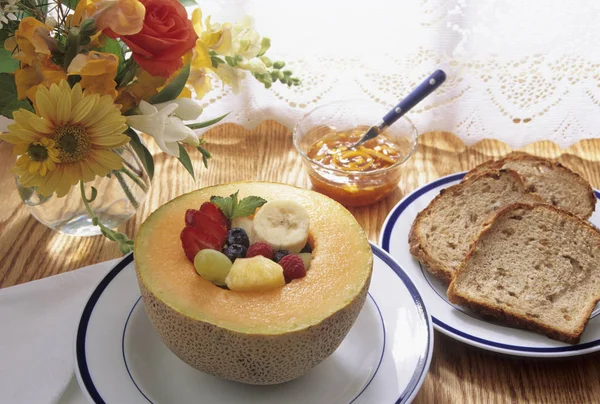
(306,259)
(212,265)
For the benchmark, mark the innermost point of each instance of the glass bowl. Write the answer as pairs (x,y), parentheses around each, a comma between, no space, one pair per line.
(352,188)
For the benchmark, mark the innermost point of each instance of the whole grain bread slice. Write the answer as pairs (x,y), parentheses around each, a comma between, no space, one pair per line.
(558,185)
(441,234)
(533,267)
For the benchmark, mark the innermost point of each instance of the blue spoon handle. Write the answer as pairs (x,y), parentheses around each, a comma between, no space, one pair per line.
(416,96)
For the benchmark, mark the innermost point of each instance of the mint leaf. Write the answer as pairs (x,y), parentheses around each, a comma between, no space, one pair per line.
(226,204)
(231,208)
(248,206)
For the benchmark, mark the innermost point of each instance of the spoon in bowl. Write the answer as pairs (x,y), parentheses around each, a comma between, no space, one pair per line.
(429,85)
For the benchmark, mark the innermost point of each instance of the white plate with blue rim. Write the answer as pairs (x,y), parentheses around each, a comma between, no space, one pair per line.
(456,321)
(383,359)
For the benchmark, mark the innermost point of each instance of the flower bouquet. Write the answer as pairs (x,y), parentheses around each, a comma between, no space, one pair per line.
(81,79)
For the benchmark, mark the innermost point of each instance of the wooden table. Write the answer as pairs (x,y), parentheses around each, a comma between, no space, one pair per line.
(459,373)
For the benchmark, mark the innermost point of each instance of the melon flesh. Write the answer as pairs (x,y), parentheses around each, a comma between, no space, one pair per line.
(257,338)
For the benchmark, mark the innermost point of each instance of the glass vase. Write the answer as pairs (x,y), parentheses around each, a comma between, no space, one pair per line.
(120,194)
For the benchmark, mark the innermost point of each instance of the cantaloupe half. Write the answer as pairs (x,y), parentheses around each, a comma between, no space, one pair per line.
(256,338)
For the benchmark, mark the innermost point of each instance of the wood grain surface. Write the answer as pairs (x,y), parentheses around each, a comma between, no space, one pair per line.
(459,373)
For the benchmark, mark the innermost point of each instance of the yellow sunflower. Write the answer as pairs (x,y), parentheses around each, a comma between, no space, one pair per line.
(70,140)
(37,157)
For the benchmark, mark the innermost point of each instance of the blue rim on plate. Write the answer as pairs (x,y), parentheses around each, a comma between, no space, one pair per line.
(413,385)
(385,244)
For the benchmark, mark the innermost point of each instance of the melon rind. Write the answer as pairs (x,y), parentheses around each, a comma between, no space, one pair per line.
(250,358)
(265,354)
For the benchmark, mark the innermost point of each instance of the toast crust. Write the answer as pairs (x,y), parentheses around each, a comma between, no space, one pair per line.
(522,156)
(506,315)
(434,266)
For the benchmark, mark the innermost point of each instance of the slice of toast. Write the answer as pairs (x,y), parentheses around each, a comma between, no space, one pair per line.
(442,232)
(533,267)
(558,185)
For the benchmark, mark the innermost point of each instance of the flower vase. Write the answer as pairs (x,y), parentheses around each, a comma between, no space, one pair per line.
(119,195)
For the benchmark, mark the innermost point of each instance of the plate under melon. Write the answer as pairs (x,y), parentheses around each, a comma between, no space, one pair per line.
(256,338)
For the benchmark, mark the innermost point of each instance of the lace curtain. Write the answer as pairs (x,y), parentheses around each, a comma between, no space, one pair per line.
(518,71)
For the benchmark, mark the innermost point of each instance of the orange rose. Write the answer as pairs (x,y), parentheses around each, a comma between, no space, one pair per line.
(167,35)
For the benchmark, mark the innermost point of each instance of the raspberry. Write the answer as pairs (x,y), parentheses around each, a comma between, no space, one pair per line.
(260,249)
(293,267)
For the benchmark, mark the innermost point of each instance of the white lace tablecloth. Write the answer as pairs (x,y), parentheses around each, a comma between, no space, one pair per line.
(518,71)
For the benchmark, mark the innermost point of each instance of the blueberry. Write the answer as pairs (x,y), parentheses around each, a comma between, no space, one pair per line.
(234,251)
(306,249)
(279,254)
(238,236)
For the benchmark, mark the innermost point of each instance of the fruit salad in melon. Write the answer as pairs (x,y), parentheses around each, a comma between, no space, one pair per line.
(253,282)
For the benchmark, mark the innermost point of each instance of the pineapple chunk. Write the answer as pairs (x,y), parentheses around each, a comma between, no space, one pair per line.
(256,274)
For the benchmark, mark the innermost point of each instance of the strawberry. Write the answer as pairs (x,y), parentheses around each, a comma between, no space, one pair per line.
(202,221)
(189,216)
(194,240)
(260,249)
(293,267)
(211,210)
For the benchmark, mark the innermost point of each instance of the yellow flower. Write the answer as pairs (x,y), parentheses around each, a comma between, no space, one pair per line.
(97,71)
(185,93)
(83,129)
(214,36)
(201,59)
(37,157)
(31,38)
(246,41)
(122,17)
(126,17)
(83,10)
(41,72)
(200,81)
(143,88)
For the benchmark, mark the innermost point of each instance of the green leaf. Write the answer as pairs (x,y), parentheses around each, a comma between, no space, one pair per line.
(4,33)
(109,234)
(216,61)
(188,3)
(43,6)
(70,3)
(8,96)
(93,197)
(226,204)
(7,63)
(231,208)
(204,124)
(125,247)
(141,151)
(113,46)
(231,61)
(248,206)
(126,71)
(173,89)
(205,155)
(184,158)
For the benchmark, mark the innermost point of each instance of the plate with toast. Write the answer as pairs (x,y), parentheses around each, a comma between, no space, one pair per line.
(506,256)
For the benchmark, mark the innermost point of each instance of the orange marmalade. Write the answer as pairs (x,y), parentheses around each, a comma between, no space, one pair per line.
(349,175)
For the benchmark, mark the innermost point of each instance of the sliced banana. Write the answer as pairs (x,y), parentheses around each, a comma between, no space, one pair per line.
(246,223)
(283,225)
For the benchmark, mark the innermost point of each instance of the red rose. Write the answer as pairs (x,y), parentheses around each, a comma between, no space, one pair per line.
(167,35)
